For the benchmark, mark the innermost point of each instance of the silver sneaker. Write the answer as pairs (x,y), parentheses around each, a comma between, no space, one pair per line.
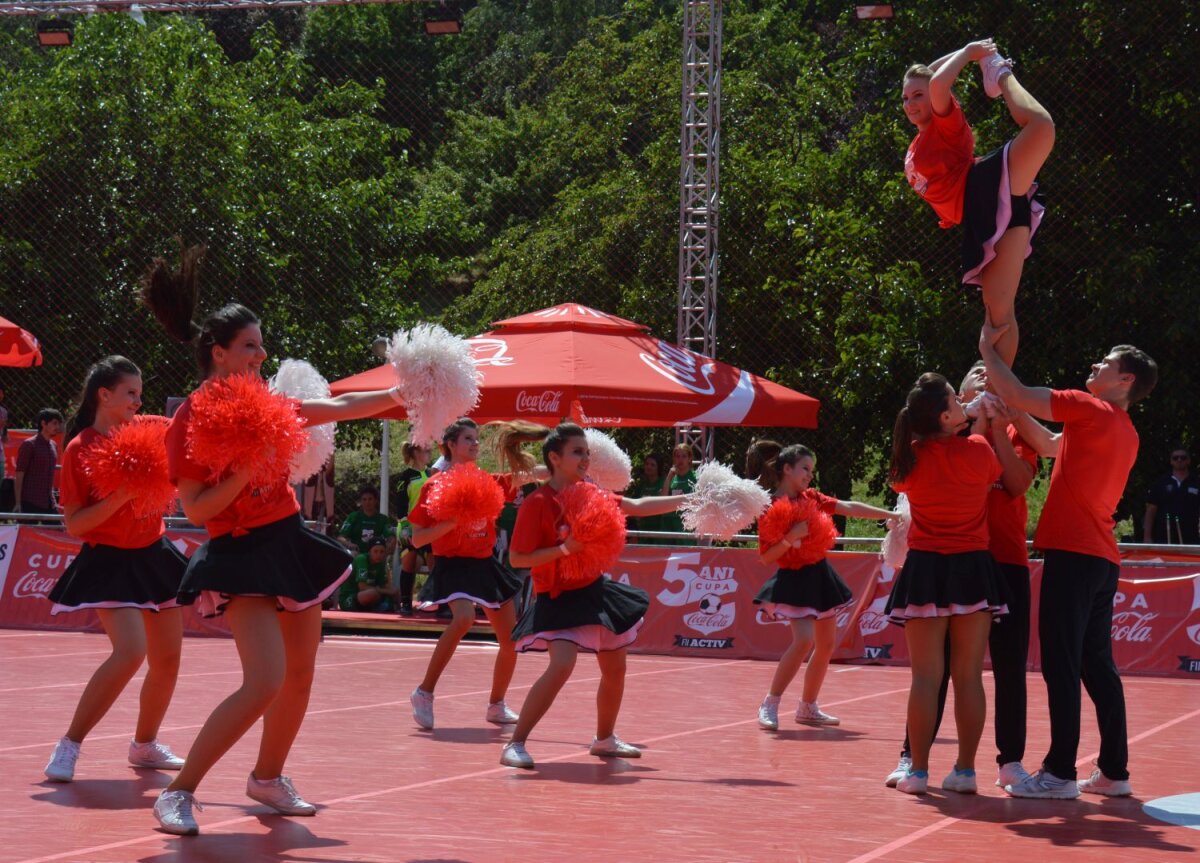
(61,767)
(1098,783)
(279,794)
(811,714)
(155,755)
(1011,773)
(422,707)
(902,768)
(514,755)
(173,809)
(499,713)
(614,747)
(768,714)
(1046,786)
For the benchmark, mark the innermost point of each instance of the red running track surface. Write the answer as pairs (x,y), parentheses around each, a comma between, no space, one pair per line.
(711,786)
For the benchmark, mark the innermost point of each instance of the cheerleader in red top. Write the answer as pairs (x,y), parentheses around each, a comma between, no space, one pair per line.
(992,196)
(465,574)
(126,570)
(261,568)
(602,617)
(805,595)
(949,582)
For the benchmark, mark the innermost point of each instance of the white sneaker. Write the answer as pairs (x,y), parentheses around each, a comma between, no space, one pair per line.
(902,767)
(422,706)
(514,755)
(914,782)
(994,67)
(173,809)
(768,713)
(1011,773)
(1098,783)
(960,781)
(155,755)
(279,794)
(1046,786)
(61,767)
(498,713)
(614,747)
(811,714)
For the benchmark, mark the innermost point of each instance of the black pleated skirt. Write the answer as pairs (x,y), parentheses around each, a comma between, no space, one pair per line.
(814,591)
(104,576)
(605,615)
(483,580)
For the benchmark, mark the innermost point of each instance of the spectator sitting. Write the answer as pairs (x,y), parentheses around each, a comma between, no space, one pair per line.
(37,459)
(1173,504)
(368,588)
(367,523)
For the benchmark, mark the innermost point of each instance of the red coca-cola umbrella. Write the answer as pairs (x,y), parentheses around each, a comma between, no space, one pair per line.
(18,348)
(601,370)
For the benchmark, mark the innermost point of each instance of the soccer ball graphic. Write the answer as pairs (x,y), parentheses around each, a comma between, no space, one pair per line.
(710,603)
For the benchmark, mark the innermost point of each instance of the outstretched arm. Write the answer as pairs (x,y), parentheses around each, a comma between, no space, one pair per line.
(1034,400)
(1037,435)
(946,70)
(348,406)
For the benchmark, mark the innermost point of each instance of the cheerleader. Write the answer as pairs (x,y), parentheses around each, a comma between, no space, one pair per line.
(465,574)
(992,196)
(804,594)
(949,583)
(260,568)
(126,570)
(602,616)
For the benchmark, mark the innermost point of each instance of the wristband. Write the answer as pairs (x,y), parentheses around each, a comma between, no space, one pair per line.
(565,551)
(785,543)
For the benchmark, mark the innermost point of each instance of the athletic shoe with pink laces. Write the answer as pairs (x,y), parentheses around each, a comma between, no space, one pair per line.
(994,67)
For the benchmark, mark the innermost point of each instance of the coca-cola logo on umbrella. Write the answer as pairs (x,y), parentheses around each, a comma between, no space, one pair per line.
(490,352)
(544,403)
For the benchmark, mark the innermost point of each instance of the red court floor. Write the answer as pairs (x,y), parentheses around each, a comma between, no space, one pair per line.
(711,786)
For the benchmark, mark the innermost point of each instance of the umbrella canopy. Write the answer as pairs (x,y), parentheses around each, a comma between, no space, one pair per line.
(601,370)
(18,347)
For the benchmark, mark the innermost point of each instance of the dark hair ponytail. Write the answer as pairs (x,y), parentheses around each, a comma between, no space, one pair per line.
(760,462)
(557,439)
(106,373)
(920,417)
(172,296)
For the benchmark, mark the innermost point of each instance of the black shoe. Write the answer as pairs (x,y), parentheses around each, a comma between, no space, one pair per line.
(406,607)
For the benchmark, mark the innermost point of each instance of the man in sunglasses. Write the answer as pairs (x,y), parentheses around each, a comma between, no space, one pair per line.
(1173,505)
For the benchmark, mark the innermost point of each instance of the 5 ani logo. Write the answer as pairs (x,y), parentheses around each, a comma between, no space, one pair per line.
(711,588)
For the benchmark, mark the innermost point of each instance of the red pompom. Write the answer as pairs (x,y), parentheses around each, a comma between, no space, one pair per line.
(784,512)
(466,493)
(595,519)
(237,423)
(133,456)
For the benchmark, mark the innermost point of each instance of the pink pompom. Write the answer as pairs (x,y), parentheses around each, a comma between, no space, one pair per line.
(133,456)
(237,423)
(778,520)
(595,519)
(465,493)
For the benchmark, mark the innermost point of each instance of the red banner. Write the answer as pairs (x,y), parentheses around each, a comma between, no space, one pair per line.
(31,561)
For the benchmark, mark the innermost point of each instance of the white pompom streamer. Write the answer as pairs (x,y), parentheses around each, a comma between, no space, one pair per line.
(436,378)
(299,380)
(609,466)
(895,542)
(722,503)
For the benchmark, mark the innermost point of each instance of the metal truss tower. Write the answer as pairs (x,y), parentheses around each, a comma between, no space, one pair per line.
(699,190)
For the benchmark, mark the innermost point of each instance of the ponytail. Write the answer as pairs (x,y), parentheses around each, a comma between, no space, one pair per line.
(106,373)
(760,462)
(920,417)
(903,457)
(511,436)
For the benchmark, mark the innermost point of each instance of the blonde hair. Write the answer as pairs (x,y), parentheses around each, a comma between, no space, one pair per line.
(918,70)
(507,445)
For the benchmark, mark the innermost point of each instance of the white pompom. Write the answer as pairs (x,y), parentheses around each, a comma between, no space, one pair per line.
(436,378)
(895,543)
(300,380)
(609,466)
(722,503)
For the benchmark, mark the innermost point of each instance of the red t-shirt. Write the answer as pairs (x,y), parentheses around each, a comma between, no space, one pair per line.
(948,491)
(253,507)
(1098,448)
(541,524)
(477,539)
(937,163)
(1008,515)
(123,529)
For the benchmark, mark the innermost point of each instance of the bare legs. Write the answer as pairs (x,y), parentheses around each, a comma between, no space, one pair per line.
(808,636)
(463,610)
(503,619)
(1027,152)
(609,693)
(926,639)
(134,634)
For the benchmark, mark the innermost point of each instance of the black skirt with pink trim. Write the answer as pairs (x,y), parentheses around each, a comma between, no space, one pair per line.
(990,208)
(944,585)
(815,591)
(482,580)
(605,615)
(104,576)
(283,559)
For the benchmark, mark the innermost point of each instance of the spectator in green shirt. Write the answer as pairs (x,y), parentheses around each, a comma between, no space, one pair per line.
(368,588)
(680,479)
(649,484)
(366,523)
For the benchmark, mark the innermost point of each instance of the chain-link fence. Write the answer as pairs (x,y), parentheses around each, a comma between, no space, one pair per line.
(352,175)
